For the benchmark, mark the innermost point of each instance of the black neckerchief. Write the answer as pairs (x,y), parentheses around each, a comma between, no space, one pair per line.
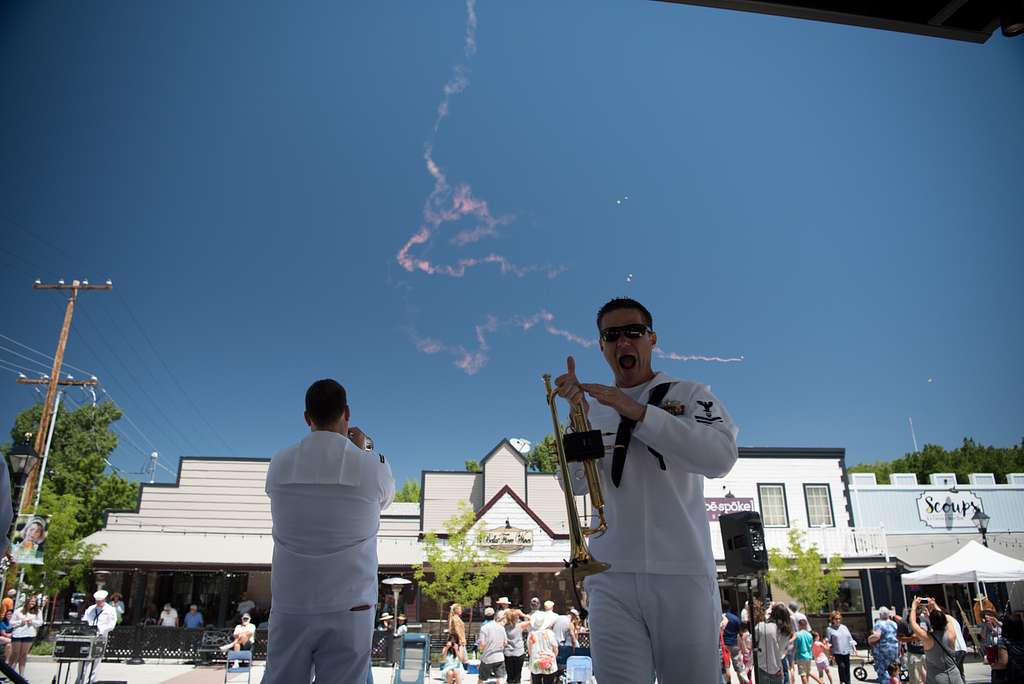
(625,433)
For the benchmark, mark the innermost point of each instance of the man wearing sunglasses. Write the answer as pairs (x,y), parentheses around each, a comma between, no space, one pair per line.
(662,437)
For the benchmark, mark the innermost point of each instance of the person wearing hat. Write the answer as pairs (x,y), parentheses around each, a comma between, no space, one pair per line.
(663,437)
(168,616)
(103,617)
(492,642)
(243,637)
(326,495)
(402,628)
(384,619)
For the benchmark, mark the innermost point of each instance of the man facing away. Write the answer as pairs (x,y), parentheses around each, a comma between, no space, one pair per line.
(326,495)
(668,435)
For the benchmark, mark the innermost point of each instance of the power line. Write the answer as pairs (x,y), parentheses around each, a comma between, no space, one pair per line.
(128,418)
(46,367)
(14,368)
(173,377)
(135,379)
(46,356)
(106,460)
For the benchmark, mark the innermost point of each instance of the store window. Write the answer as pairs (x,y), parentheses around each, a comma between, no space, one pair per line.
(819,505)
(773,505)
(851,596)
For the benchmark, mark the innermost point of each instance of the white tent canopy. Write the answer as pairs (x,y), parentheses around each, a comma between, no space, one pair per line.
(972,563)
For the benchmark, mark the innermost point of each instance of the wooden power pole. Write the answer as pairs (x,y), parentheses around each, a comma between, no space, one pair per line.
(54,380)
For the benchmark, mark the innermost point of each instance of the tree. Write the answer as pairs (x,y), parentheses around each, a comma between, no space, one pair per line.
(82,442)
(459,569)
(798,572)
(473,466)
(409,493)
(969,458)
(543,458)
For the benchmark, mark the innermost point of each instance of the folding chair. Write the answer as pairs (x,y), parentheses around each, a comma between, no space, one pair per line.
(238,667)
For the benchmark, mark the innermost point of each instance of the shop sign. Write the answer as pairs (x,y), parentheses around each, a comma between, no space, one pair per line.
(716,508)
(507,539)
(948,509)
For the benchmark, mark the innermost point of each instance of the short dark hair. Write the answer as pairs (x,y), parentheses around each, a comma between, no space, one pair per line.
(937,620)
(624,303)
(726,606)
(325,402)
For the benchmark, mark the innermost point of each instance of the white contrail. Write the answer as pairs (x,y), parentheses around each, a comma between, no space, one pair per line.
(471,361)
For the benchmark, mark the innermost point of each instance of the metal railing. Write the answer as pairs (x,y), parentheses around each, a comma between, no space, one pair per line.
(848,542)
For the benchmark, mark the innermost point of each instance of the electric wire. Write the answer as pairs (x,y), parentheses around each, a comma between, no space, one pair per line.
(134,378)
(13,368)
(106,460)
(173,377)
(27,358)
(46,356)
(128,418)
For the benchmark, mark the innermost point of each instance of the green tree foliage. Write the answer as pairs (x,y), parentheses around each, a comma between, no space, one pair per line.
(82,441)
(458,569)
(543,458)
(798,572)
(68,559)
(969,458)
(473,466)
(409,493)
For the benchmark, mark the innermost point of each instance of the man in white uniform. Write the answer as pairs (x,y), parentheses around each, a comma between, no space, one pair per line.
(103,617)
(672,434)
(326,495)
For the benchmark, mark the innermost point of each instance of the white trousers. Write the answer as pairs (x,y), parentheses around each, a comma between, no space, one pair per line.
(336,644)
(88,671)
(643,625)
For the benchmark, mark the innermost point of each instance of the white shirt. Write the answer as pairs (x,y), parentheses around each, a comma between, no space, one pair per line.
(103,620)
(19,629)
(250,628)
(326,495)
(493,640)
(169,618)
(657,522)
(771,647)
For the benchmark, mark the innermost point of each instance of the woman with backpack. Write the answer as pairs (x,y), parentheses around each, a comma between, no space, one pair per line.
(938,644)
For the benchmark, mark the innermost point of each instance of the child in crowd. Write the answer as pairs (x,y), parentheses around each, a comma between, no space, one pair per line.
(893,675)
(805,653)
(744,668)
(820,650)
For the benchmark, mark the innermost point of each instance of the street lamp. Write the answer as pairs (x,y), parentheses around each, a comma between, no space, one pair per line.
(980,520)
(23,457)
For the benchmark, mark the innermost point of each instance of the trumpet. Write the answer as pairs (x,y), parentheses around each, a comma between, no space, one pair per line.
(583,445)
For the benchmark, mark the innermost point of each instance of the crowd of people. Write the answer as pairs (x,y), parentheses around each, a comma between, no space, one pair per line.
(511,640)
(925,644)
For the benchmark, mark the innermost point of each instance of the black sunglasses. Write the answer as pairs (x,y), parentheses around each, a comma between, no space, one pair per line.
(634,331)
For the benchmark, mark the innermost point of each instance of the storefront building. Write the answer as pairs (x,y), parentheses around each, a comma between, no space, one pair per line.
(925,522)
(206,539)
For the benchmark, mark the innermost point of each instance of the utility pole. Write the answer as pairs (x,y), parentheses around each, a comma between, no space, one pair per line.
(22,505)
(58,359)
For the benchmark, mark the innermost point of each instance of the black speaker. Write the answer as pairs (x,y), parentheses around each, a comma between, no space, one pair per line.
(743,541)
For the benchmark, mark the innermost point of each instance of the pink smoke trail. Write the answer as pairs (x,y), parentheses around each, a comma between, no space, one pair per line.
(445,205)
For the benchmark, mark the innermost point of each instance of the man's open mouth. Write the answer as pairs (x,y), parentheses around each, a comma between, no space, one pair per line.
(627,361)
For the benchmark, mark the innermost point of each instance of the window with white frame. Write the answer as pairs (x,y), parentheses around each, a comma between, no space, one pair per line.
(819,505)
(773,505)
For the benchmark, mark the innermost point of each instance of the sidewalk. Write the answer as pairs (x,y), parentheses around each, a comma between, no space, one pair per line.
(42,671)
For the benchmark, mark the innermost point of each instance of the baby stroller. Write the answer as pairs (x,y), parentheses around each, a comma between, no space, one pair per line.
(860,673)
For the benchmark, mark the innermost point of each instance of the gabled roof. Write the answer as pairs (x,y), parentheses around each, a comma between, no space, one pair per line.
(504,442)
(522,504)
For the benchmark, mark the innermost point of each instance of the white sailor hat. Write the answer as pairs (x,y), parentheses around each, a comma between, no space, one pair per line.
(503,599)
(100,595)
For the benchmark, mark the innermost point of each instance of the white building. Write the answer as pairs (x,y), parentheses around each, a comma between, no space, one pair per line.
(925,522)
(206,538)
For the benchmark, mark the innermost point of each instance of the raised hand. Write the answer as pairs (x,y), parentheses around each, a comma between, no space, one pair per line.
(569,388)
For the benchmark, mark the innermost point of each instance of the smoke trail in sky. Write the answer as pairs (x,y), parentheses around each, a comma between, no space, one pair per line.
(446,204)
(471,361)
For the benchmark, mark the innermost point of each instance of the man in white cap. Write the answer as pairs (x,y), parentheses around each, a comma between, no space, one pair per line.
(492,649)
(326,494)
(662,436)
(103,617)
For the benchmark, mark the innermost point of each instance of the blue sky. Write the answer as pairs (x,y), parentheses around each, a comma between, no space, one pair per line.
(838,206)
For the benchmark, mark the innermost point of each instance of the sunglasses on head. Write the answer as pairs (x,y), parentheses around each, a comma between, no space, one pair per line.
(634,331)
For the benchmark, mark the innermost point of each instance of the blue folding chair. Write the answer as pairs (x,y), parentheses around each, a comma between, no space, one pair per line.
(238,667)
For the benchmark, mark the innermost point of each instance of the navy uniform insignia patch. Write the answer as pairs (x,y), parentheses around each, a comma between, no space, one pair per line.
(675,408)
(707,418)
